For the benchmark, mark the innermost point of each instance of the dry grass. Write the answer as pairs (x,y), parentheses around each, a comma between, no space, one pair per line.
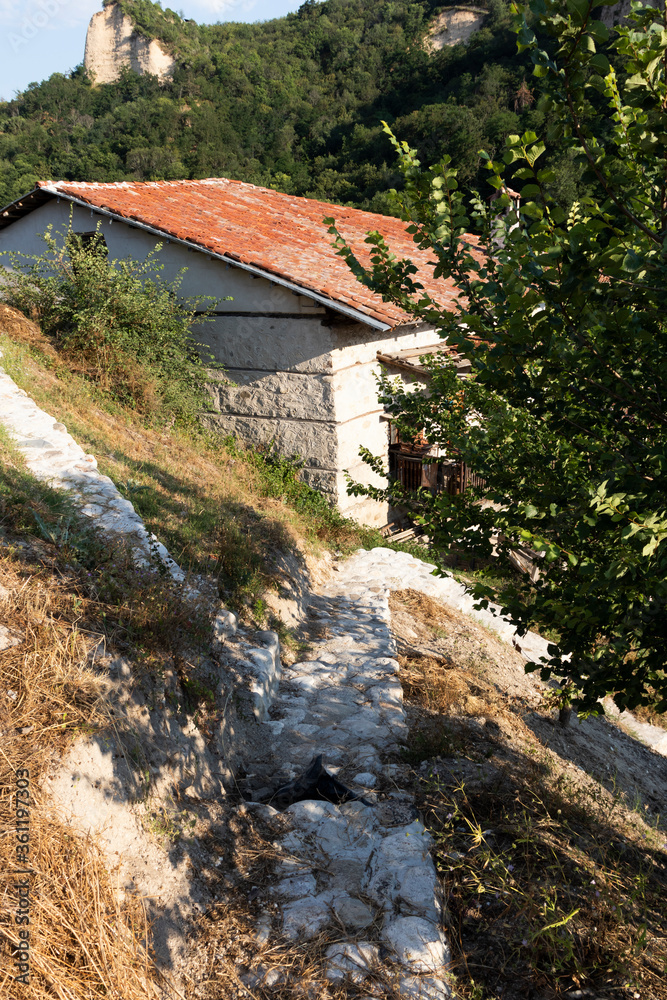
(186,492)
(84,942)
(551,886)
(217,513)
(447,690)
(22,330)
(553,883)
(87,941)
(452,681)
(46,685)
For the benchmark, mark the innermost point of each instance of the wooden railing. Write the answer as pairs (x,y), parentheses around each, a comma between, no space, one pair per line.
(453,478)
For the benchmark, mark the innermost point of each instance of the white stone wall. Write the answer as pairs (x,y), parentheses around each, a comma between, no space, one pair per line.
(358,412)
(278,386)
(112,42)
(296,343)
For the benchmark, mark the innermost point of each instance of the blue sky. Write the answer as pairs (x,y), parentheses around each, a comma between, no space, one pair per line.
(41,37)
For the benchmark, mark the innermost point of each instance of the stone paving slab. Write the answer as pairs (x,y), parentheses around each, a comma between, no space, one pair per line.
(363,867)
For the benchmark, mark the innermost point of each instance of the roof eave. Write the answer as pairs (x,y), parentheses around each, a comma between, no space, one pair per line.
(24,205)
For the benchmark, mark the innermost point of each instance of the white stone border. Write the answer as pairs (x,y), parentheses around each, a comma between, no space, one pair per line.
(53,456)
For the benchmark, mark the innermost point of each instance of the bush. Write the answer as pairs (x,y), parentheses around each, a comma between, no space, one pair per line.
(114,321)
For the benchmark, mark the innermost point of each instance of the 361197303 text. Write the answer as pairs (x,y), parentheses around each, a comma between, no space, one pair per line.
(23,873)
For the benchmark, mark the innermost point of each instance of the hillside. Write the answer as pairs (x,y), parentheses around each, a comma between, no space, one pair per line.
(546,844)
(295,103)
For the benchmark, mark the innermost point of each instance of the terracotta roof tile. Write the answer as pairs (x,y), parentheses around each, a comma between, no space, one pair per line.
(279,233)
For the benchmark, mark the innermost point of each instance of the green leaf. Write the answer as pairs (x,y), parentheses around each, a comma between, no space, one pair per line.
(600,63)
(579,9)
(535,151)
(632,262)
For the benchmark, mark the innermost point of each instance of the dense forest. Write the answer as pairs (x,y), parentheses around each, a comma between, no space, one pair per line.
(295,103)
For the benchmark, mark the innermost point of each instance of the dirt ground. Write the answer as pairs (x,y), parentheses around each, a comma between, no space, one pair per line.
(550,840)
(486,678)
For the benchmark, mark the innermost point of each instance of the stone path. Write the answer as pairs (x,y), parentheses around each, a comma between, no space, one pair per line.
(53,456)
(391,570)
(364,868)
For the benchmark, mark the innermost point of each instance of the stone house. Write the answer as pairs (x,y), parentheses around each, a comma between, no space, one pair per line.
(298,336)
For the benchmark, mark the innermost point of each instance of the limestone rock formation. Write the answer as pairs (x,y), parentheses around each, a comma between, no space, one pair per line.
(112,42)
(454,26)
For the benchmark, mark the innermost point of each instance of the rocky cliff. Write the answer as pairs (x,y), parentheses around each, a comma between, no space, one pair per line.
(454,26)
(113,42)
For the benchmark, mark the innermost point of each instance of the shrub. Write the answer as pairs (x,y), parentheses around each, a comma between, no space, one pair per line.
(114,321)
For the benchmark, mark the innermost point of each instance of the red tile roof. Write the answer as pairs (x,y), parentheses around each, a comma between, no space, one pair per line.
(281,234)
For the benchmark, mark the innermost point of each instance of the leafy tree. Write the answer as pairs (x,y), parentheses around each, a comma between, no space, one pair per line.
(562,316)
(295,103)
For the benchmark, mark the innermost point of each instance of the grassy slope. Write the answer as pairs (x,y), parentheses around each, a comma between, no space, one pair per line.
(218,510)
(507,889)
